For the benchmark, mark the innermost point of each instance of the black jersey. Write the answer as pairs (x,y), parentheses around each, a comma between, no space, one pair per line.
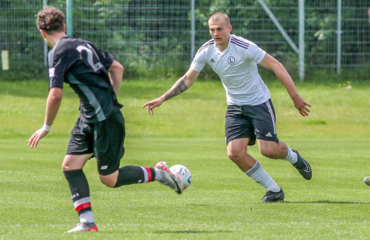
(84,67)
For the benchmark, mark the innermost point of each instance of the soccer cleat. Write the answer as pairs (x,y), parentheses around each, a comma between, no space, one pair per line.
(302,166)
(274,196)
(84,227)
(162,165)
(367,180)
(170,179)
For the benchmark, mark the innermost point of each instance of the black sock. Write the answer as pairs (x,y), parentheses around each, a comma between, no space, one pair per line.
(79,189)
(132,174)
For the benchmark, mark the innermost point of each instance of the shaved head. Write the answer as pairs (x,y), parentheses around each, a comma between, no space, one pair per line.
(220,17)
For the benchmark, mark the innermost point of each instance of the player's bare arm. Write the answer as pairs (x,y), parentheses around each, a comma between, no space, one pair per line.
(52,106)
(179,87)
(115,75)
(271,63)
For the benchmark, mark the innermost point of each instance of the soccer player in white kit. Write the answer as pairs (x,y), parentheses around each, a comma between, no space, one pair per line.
(250,113)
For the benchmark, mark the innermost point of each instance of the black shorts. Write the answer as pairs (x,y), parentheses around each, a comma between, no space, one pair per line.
(251,122)
(103,139)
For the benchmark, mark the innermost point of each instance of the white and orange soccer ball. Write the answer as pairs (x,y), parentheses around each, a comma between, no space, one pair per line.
(184,174)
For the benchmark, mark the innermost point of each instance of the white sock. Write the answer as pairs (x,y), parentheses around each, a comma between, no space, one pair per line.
(260,176)
(87,217)
(158,174)
(291,157)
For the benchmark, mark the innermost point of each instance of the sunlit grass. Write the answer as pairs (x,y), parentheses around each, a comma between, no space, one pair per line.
(221,202)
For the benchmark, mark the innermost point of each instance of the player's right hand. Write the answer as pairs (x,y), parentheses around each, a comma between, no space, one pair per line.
(35,138)
(301,105)
(153,104)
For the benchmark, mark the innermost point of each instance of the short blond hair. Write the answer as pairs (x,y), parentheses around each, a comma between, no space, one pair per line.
(220,16)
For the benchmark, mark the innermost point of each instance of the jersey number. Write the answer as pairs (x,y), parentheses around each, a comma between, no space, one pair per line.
(90,58)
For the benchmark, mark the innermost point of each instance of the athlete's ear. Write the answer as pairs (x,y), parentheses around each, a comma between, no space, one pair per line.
(64,27)
(230,28)
(43,33)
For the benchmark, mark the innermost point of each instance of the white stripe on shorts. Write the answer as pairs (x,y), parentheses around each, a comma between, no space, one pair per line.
(272,115)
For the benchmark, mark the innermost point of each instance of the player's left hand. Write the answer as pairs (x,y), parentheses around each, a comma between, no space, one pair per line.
(301,105)
(35,138)
(153,104)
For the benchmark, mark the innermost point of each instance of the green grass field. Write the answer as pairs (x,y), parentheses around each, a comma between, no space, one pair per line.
(222,202)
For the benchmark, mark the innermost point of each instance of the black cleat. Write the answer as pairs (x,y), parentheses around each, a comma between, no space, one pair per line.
(274,196)
(302,166)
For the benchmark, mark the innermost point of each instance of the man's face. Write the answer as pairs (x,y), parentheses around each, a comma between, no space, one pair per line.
(220,32)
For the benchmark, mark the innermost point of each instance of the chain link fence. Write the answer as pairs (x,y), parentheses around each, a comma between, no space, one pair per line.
(157,38)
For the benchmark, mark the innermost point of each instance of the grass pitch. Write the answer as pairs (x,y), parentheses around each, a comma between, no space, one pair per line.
(221,202)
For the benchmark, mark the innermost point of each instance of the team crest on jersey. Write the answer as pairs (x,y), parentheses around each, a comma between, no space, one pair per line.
(231,60)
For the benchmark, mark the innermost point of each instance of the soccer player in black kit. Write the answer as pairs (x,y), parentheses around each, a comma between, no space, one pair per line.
(100,130)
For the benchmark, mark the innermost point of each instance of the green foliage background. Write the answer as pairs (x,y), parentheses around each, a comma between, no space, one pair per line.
(152,37)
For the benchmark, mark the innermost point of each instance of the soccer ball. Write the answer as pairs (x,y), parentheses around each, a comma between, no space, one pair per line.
(367,180)
(184,174)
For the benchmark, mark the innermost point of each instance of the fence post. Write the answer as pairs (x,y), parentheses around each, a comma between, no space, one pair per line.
(45,3)
(301,39)
(339,36)
(69,6)
(192,48)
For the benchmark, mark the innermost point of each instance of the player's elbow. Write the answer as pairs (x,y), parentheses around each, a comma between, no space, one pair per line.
(55,94)
(116,67)
(278,67)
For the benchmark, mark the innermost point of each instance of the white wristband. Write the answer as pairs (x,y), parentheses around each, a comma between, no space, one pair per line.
(46,127)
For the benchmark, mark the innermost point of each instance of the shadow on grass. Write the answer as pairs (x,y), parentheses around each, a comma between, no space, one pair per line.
(193,232)
(329,202)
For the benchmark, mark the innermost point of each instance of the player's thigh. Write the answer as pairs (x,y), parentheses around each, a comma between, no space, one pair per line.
(74,162)
(80,146)
(267,146)
(237,125)
(108,144)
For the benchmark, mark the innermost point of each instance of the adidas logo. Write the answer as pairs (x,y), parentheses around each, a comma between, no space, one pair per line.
(212,60)
(104,167)
(268,135)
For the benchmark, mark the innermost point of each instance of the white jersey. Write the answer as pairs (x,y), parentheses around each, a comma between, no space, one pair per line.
(237,68)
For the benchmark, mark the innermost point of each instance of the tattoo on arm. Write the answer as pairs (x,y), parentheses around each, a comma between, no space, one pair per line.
(179,88)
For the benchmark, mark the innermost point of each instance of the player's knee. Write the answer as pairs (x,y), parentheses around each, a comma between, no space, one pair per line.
(66,167)
(234,154)
(108,181)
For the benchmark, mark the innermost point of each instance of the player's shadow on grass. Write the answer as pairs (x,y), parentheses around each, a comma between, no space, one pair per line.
(329,202)
(192,232)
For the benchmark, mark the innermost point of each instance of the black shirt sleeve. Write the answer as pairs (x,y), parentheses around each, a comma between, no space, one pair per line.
(58,65)
(105,58)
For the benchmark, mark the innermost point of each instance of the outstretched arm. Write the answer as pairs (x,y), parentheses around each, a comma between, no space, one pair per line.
(271,63)
(180,86)
(52,107)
